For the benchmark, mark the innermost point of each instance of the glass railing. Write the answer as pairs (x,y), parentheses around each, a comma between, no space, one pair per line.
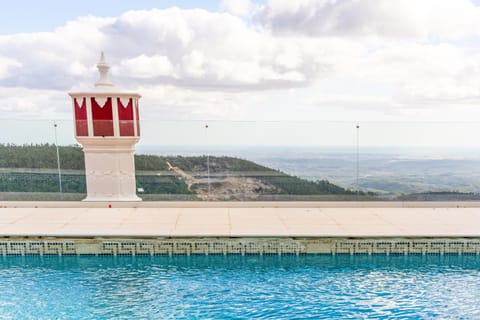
(256,161)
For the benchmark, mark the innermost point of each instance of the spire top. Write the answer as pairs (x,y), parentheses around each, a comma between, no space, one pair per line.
(103,68)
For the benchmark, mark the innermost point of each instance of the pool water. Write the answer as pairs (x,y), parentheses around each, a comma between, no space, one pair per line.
(235,287)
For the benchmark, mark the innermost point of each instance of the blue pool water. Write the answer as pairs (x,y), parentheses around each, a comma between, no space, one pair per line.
(234,287)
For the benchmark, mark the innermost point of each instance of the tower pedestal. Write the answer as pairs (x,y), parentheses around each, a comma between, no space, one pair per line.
(110,169)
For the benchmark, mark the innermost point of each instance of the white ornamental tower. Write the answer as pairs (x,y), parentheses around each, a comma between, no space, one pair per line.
(107,126)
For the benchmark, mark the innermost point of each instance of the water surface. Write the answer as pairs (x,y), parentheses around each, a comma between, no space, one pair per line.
(235,287)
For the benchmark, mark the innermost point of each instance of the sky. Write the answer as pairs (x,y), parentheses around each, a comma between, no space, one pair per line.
(383,62)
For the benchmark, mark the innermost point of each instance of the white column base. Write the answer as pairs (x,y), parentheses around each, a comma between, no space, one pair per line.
(110,169)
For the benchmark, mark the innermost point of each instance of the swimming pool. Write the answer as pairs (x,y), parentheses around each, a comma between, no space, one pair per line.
(240,287)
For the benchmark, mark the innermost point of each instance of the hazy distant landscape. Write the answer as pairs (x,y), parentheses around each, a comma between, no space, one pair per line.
(386,174)
(267,173)
(30,171)
(382,170)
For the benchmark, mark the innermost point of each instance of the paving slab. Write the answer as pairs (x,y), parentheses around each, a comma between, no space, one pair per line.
(232,220)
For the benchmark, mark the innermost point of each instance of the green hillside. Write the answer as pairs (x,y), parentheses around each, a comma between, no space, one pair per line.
(32,168)
(285,184)
(42,156)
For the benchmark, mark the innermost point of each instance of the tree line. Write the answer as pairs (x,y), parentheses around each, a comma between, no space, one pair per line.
(44,156)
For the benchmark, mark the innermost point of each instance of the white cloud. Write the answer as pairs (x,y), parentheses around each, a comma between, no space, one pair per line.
(169,102)
(144,67)
(199,64)
(180,47)
(25,103)
(53,60)
(8,66)
(201,54)
(385,18)
(425,72)
(194,64)
(237,7)
(77,68)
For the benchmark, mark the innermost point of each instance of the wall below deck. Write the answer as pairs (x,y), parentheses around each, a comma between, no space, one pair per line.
(238,246)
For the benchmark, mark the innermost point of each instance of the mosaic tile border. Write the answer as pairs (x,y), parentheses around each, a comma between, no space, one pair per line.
(133,247)
(235,246)
(203,247)
(408,246)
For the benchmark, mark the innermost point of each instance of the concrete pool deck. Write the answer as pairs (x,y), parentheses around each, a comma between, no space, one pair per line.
(215,228)
(250,219)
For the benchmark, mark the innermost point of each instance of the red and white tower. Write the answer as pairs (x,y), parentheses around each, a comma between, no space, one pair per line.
(107,126)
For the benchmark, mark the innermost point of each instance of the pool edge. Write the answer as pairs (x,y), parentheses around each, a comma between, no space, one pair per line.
(238,246)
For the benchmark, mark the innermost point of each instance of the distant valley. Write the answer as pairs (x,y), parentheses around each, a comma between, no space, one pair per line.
(386,171)
(33,169)
(253,174)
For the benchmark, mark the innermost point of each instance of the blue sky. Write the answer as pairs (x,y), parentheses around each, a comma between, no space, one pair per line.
(46,15)
(240,60)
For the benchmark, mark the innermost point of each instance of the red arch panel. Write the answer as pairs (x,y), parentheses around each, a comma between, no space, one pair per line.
(81,124)
(102,118)
(125,117)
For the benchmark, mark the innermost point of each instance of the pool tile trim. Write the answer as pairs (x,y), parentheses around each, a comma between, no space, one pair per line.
(238,246)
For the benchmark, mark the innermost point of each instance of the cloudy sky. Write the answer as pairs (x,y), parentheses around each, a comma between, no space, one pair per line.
(274,60)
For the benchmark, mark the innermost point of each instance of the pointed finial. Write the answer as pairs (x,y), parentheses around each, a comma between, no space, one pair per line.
(103,68)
